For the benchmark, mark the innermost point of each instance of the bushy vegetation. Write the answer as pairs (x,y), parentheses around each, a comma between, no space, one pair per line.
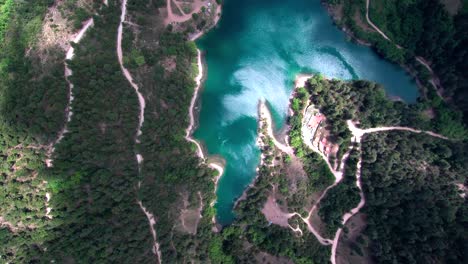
(32,99)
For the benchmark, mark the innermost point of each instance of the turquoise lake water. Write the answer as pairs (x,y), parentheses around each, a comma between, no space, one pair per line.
(255,52)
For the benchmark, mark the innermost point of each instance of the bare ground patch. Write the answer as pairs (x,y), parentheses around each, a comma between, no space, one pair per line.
(348,241)
(189,216)
(273,213)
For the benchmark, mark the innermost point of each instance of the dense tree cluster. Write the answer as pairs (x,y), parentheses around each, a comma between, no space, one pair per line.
(94,182)
(341,198)
(316,168)
(415,213)
(423,28)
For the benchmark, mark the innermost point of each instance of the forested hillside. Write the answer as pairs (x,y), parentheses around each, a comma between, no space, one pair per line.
(78,186)
(423,29)
(415,213)
(84,208)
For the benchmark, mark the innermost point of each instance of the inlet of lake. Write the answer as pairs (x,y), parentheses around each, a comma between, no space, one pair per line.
(255,52)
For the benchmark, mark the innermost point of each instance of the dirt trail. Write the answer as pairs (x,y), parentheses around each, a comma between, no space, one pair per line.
(372,24)
(48,209)
(172,18)
(152,222)
(68,72)
(125,71)
(435,81)
(357,135)
(141,119)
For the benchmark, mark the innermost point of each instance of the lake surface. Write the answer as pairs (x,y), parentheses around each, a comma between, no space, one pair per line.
(255,52)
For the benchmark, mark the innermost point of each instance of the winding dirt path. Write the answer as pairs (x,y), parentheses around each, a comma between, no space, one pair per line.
(68,109)
(141,119)
(435,81)
(172,18)
(357,135)
(372,24)
(151,220)
(126,73)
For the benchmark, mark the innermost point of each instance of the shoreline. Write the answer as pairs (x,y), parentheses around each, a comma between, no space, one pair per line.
(407,67)
(213,162)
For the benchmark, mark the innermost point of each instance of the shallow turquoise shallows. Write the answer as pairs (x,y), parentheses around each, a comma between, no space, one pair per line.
(255,52)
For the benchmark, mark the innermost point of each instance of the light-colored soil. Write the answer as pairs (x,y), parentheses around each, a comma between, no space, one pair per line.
(169,64)
(274,214)
(55,30)
(462,189)
(190,217)
(174,18)
(372,24)
(429,113)
(344,255)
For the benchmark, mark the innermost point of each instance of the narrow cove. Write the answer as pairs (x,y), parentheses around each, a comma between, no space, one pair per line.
(255,53)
